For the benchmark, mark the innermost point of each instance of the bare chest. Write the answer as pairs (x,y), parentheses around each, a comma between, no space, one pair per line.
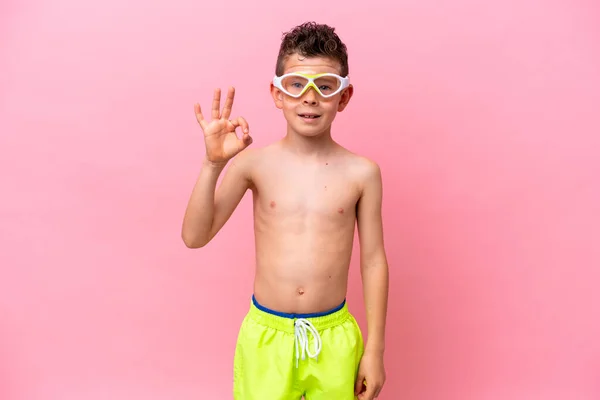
(315,194)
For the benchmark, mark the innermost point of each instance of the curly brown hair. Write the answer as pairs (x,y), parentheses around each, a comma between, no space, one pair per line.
(312,40)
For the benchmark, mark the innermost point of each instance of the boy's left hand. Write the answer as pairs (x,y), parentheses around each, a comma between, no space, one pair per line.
(371,376)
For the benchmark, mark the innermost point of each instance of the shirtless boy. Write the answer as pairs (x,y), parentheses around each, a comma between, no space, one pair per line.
(298,338)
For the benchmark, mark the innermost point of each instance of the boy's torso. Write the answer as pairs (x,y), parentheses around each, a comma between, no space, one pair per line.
(304,224)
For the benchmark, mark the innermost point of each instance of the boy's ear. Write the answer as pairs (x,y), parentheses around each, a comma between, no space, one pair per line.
(346,96)
(277,96)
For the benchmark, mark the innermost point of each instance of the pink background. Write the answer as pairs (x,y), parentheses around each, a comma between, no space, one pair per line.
(482,115)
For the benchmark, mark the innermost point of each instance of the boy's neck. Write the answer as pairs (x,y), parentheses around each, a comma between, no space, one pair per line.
(319,145)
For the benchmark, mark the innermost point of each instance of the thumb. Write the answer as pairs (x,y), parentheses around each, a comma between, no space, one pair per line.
(358,386)
(246,141)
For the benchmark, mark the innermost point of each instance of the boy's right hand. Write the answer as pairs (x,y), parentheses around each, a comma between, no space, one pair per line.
(220,138)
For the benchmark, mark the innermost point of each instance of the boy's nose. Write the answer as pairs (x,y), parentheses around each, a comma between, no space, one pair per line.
(310,96)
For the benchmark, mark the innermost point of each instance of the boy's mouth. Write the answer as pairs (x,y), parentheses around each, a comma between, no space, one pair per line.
(309,115)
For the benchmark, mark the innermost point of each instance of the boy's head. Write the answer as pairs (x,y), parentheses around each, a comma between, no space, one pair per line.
(311,83)
(313,40)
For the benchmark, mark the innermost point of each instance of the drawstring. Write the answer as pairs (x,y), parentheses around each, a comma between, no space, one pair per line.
(301,328)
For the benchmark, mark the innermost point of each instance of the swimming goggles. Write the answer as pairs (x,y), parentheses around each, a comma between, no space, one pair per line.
(296,84)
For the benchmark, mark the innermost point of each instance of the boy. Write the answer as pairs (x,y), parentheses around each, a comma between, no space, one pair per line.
(298,338)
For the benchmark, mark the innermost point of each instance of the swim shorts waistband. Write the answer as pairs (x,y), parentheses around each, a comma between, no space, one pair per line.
(286,322)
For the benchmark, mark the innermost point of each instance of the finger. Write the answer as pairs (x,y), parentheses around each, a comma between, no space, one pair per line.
(369,394)
(228,103)
(216,104)
(245,142)
(377,393)
(247,139)
(240,121)
(358,386)
(199,116)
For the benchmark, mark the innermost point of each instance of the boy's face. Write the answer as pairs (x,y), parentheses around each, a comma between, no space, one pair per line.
(310,114)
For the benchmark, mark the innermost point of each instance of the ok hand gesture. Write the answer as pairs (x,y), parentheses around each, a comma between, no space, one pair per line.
(220,138)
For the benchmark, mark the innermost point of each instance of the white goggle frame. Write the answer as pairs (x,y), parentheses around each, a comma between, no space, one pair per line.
(344,83)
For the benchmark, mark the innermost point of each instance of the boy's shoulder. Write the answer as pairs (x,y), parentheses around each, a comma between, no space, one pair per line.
(260,156)
(251,161)
(252,155)
(362,166)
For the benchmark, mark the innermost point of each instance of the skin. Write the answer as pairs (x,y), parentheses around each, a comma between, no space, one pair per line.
(309,193)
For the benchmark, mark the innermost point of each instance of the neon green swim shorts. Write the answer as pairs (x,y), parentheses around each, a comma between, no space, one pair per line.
(282,356)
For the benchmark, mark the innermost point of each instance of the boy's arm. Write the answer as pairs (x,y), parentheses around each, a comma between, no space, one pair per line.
(373,261)
(374,272)
(208,208)
(206,211)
